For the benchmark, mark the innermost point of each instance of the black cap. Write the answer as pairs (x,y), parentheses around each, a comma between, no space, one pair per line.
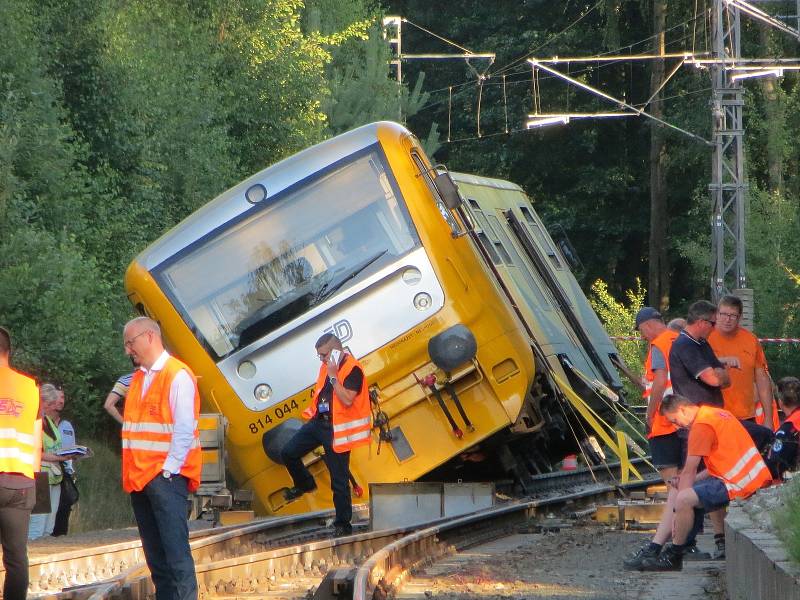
(646,313)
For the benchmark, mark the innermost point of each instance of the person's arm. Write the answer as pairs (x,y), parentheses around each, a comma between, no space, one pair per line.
(181,403)
(689,473)
(342,389)
(656,394)
(111,406)
(764,389)
(715,377)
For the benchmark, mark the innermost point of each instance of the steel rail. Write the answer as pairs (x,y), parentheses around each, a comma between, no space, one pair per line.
(246,559)
(388,567)
(89,568)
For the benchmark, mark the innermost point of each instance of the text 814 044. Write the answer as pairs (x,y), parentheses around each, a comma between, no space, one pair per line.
(278,412)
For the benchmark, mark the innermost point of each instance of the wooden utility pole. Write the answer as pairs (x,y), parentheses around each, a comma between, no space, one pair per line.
(658,272)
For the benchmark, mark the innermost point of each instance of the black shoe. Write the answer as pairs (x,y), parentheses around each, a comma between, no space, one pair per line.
(342,530)
(635,560)
(694,553)
(669,560)
(293,493)
(719,551)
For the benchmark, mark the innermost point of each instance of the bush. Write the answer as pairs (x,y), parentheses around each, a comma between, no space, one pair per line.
(103,504)
(786,520)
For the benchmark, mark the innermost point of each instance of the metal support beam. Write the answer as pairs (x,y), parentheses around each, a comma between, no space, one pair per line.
(728,187)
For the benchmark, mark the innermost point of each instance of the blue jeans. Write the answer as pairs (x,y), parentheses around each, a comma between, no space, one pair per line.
(314,433)
(161,514)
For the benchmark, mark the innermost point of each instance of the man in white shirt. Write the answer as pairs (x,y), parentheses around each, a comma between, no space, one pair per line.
(161,459)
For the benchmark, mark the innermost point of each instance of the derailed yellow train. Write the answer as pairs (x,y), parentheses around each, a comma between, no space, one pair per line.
(461,308)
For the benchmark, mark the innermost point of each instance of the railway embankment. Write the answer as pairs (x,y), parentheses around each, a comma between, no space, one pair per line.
(758,565)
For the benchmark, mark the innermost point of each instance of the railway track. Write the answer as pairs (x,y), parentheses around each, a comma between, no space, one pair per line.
(259,558)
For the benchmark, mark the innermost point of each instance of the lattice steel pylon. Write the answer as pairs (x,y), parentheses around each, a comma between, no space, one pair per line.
(728,186)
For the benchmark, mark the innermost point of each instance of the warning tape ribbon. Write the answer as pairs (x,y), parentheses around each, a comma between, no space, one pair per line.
(633,338)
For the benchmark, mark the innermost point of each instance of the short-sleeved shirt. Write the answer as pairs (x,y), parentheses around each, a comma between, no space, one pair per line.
(739,397)
(122,384)
(687,359)
(352,382)
(657,360)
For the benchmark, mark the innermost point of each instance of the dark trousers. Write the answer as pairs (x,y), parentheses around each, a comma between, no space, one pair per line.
(319,432)
(62,515)
(161,514)
(15,513)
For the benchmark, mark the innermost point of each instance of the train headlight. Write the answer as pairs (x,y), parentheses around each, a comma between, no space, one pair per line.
(412,276)
(246,369)
(262,392)
(423,301)
(452,348)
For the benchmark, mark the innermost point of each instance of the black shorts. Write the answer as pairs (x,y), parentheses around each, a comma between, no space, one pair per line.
(668,450)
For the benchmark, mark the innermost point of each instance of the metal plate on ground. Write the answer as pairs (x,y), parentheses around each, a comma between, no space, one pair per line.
(403,504)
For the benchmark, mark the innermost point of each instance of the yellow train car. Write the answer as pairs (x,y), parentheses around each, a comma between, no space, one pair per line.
(361,237)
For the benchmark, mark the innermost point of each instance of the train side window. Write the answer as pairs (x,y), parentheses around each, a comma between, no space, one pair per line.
(540,236)
(489,248)
(516,260)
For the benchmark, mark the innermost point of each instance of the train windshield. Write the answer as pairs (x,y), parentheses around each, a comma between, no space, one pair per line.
(320,237)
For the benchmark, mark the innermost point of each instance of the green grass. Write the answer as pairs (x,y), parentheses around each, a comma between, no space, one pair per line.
(786,519)
(103,504)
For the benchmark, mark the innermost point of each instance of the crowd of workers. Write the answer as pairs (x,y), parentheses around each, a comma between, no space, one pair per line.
(712,425)
(707,385)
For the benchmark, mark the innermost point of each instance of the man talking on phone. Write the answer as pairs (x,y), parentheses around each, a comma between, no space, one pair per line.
(338,420)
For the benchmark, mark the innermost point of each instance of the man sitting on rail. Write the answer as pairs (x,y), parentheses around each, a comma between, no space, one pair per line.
(734,469)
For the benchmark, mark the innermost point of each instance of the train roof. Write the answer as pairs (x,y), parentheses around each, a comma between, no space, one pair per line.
(275,178)
(500,184)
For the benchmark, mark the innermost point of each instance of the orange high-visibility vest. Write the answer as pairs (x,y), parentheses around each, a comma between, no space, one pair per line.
(759,414)
(20,443)
(351,424)
(734,458)
(147,430)
(663,341)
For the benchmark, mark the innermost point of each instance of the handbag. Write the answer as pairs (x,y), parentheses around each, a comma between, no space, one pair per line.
(69,491)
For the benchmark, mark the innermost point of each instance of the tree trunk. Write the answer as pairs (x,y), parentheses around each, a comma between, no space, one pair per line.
(658,274)
(775,115)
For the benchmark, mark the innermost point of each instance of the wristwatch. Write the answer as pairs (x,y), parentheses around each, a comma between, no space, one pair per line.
(166,474)
(332,379)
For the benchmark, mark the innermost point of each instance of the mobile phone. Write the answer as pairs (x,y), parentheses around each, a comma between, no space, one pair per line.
(336,354)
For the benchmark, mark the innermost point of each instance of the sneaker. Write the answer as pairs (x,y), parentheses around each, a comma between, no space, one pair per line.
(694,553)
(668,560)
(342,530)
(293,493)
(719,551)
(635,560)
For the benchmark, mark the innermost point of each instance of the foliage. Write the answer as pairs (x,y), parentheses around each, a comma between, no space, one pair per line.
(103,504)
(119,119)
(618,318)
(785,519)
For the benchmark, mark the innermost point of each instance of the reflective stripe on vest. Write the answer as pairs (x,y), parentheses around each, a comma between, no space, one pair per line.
(8,433)
(133,427)
(354,419)
(18,454)
(734,458)
(151,446)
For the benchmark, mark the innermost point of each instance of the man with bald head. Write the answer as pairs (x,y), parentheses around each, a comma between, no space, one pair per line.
(161,457)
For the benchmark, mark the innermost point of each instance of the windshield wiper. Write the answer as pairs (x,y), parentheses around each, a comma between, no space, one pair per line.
(327,290)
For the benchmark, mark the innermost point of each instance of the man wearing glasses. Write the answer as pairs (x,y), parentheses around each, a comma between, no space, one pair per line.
(741,350)
(338,420)
(695,370)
